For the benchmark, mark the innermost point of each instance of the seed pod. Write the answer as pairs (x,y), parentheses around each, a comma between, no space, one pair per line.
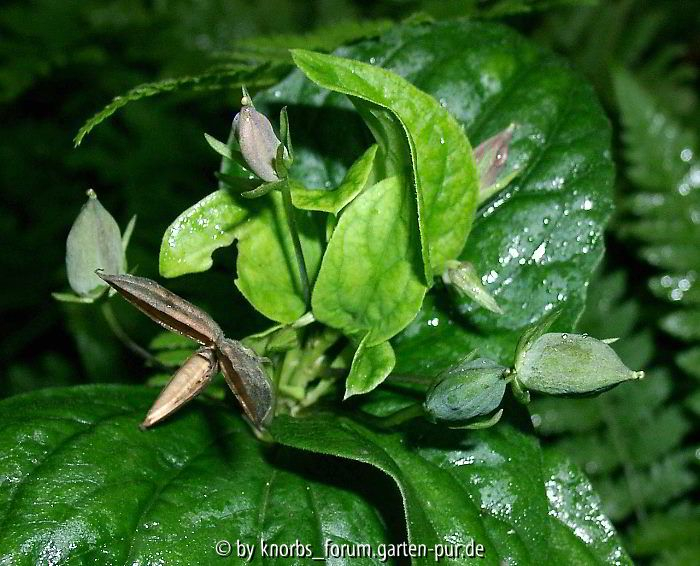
(463,278)
(571,364)
(258,142)
(166,308)
(244,374)
(466,392)
(491,156)
(94,242)
(187,382)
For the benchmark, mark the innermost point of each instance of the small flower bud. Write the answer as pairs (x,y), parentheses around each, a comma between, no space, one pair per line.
(571,364)
(462,277)
(94,242)
(491,157)
(466,392)
(257,140)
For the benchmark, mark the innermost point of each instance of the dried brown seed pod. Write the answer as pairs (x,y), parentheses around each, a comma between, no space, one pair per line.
(166,308)
(246,377)
(187,382)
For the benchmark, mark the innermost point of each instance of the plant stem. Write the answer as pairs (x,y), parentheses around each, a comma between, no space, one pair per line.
(299,252)
(124,338)
(394,419)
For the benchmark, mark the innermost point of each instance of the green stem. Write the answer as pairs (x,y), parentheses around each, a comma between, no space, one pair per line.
(394,419)
(125,339)
(299,252)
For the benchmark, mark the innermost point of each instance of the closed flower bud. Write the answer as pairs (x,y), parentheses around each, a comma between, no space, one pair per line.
(466,392)
(491,157)
(463,278)
(94,242)
(257,140)
(571,364)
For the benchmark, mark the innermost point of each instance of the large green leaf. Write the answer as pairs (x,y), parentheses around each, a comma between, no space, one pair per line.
(490,486)
(370,281)
(268,275)
(443,166)
(536,244)
(80,483)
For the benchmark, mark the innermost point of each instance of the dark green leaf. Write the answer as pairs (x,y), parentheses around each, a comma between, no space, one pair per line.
(536,244)
(80,483)
(489,486)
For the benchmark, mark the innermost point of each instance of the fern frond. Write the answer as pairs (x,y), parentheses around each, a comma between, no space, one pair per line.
(214,79)
(657,149)
(276,47)
(663,162)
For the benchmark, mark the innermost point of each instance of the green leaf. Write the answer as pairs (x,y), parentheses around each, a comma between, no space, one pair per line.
(82,484)
(192,238)
(370,282)
(370,366)
(218,79)
(224,150)
(335,200)
(489,486)
(268,275)
(579,533)
(442,161)
(536,245)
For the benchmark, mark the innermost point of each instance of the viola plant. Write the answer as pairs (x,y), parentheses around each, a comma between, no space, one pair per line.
(416,285)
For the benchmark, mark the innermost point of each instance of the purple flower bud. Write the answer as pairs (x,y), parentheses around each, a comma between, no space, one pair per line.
(491,156)
(258,142)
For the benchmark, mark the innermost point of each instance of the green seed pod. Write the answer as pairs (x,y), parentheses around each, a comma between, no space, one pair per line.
(258,142)
(94,242)
(466,392)
(571,364)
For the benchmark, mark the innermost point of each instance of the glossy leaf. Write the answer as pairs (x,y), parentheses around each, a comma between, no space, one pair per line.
(80,483)
(370,366)
(444,171)
(537,243)
(197,233)
(335,200)
(489,486)
(370,280)
(578,528)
